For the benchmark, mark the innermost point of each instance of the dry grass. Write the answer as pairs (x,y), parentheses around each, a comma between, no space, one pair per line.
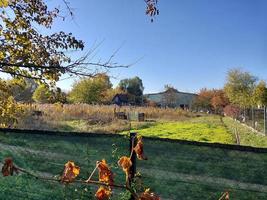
(92,118)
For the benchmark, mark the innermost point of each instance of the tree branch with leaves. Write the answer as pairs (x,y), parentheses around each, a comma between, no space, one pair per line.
(26,52)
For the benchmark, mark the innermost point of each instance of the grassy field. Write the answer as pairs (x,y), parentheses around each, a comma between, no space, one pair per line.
(247,137)
(204,129)
(174,171)
(163,123)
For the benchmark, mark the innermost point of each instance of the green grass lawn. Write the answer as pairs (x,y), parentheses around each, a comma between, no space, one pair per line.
(210,129)
(174,171)
(204,129)
(247,137)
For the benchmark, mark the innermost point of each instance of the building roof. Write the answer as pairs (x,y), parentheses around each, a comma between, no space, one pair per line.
(178,98)
(173,90)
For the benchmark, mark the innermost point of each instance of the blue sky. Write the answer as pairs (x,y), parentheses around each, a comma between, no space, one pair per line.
(191,44)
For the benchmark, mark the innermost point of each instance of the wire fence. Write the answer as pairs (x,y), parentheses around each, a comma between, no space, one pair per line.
(174,169)
(255,118)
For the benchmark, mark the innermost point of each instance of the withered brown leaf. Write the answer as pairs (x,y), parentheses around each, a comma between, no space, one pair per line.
(103,193)
(8,168)
(125,163)
(71,171)
(139,149)
(105,173)
(147,195)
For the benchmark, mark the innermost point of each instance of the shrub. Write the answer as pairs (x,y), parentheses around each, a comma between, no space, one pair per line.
(232,111)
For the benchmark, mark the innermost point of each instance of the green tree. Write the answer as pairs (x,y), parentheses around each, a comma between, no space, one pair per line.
(239,88)
(260,94)
(10,111)
(58,96)
(134,88)
(42,94)
(90,90)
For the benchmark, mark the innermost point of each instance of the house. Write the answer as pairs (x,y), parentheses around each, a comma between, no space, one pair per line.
(172,98)
(120,99)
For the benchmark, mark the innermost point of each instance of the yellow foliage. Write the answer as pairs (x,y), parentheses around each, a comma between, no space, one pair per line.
(10,110)
(3,3)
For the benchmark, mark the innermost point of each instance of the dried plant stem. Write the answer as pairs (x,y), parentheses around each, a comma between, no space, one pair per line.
(224,196)
(93,172)
(88,181)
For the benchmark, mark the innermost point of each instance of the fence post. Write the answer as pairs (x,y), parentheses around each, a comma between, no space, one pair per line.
(237,136)
(253,117)
(133,141)
(265,120)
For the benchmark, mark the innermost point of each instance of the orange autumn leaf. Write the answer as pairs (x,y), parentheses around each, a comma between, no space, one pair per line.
(147,195)
(71,171)
(105,174)
(103,193)
(126,164)
(139,149)
(8,168)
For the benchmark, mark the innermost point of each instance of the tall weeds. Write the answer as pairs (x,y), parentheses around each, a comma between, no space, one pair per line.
(97,118)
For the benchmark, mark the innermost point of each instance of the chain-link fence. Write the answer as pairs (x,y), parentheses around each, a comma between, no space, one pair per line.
(255,118)
(174,169)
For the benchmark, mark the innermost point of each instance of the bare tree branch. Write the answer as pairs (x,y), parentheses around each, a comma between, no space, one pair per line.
(70,10)
(83,66)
